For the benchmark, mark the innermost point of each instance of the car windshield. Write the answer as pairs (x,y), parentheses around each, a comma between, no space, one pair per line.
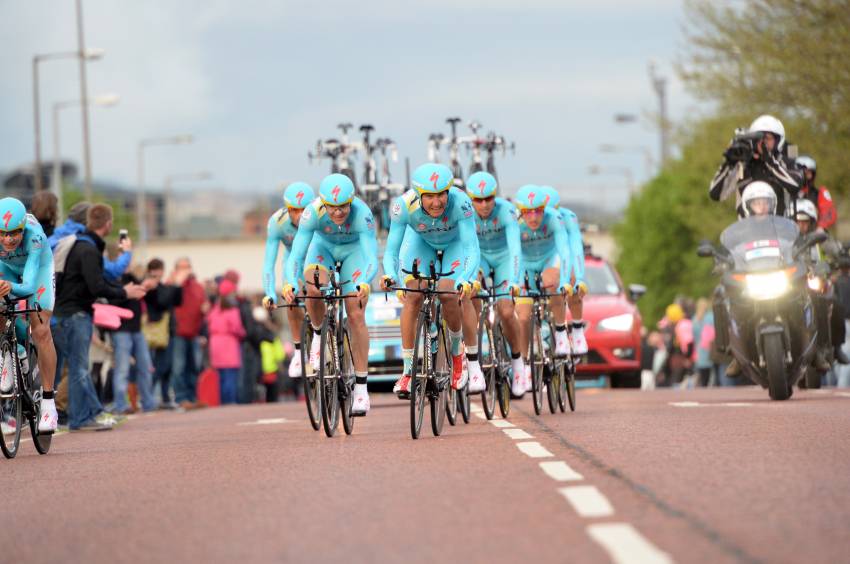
(601,281)
(760,243)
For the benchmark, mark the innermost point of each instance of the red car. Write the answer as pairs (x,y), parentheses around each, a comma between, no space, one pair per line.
(613,325)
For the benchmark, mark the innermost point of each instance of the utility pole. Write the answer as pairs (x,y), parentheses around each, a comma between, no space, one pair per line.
(659,84)
(84,102)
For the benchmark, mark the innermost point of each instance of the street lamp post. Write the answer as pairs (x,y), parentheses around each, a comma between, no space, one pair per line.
(89,55)
(659,84)
(56,177)
(171,179)
(141,200)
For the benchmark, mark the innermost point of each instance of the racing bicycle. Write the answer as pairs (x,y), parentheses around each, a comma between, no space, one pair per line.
(493,352)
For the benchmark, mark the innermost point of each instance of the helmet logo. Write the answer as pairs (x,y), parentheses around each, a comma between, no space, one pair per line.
(531,198)
(482,185)
(335,192)
(434,178)
(546,203)
(7,217)
(299,196)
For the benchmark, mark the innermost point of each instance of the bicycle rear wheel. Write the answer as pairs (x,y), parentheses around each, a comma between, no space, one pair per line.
(554,372)
(346,388)
(329,380)
(309,377)
(463,402)
(440,383)
(489,357)
(537,360)
(569,387)
(33,380)
(11,414)
(503,372)
(419,376)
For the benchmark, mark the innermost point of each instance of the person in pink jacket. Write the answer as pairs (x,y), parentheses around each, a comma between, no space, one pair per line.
(226,333)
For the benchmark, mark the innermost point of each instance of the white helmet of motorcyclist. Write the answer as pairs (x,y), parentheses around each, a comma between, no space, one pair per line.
(805,161)
(770,124)
(806,210)
(758,198)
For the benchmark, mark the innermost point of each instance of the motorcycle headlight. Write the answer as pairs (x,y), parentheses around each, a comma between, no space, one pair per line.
(767,286)
(622,323)
(815,284)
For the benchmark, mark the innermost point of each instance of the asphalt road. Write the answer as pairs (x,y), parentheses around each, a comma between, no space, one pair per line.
(718,475)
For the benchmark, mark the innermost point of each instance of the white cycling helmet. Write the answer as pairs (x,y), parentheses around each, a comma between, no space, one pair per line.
(806,210)
(807,162)
(770,124)
(755,192)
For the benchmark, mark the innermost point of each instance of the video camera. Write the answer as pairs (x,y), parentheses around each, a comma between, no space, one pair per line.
(743,146)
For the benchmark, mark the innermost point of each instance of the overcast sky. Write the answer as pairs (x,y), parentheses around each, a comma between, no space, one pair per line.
(257,82)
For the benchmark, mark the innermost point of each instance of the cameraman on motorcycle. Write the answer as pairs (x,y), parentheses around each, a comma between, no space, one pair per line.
(819,196)
(757,156)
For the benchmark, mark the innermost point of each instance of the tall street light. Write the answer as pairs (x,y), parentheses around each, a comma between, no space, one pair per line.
(659,84)
(105,100)
(171,179)
(141,202)
(647,154)
(89,55)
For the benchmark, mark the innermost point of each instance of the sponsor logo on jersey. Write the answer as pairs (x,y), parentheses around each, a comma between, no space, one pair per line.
(40,291)
(328,229)
(455,264)
(396,209)
(356,275)
(320,258)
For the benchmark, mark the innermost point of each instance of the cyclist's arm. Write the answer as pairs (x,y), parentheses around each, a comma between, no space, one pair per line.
(295,260)
(27,285)
(469,242)
(514,245)
(398,223)
(562,244)
(272,247)
(576,244)
(369,247)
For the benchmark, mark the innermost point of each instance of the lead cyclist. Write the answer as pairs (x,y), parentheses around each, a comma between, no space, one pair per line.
(434,216)
(337,227)
(26,268)
(281,229)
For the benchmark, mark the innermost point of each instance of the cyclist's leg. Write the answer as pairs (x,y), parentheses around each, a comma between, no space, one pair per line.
(505,305)
(576,306)
(483,272)
(296,319)
(551,278)
(413,249)
(319,258)
(353,265)
(41,335)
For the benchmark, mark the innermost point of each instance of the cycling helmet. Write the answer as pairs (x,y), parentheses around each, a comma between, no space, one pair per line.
(13,214)
(336,190)
(298,195)
(770,124)
(806,210)
(553,197)
(806,162)
(432,178)
(530,197)
(755,191)
(481,185)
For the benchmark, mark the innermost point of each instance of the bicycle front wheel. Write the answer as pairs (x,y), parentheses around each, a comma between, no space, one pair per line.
(33,380)
(488,355)
(537,360)
(441,383)
(346,387)
(419,375)
(503,373)
(11,414)
(329,374)
(309,377)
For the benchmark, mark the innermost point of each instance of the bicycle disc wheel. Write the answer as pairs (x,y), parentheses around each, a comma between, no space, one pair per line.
(419,376)
(33,380)
(346,389)
(329,380)
(536,358)
(309,377)
(11,414)
(488,356)
(441,383)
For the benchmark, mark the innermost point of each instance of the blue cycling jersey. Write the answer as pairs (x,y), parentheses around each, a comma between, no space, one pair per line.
(571,224)
(499,238)
(280,229)
(540,245)
(29,268)
(358,232)
(456,224)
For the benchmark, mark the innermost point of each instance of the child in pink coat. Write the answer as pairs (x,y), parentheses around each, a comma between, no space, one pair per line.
(226,333)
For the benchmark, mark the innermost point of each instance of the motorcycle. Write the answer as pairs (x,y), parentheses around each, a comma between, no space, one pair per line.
(763,300)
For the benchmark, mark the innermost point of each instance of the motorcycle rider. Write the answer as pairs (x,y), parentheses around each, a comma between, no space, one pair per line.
(764,162)
(819,196)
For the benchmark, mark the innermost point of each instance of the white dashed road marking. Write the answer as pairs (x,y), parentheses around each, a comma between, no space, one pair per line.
(559,471)
(843,394)
(533,450)
(501,424)
(517,434)
(625,545)
(684,403)
(587,501)
(277,421)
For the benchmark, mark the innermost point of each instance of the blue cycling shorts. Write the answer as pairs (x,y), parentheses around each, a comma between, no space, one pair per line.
(415,248)
(323,255)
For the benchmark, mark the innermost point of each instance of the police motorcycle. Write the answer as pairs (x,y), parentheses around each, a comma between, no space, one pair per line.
(766,317)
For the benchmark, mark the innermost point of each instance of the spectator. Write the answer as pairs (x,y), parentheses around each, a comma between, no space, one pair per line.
(158,322)
(226,333)
(680,331)
(647,357)
(251,372)
(46,211)
(703,335)
(189,319)
(81,284)
(75,224)
(272,353)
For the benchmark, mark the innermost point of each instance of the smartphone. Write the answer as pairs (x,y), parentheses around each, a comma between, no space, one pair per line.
(123,234)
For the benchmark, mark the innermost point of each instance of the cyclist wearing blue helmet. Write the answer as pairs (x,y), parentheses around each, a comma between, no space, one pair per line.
(282,227)
(501,253)
(337,227)
(575,298)
(26,269)
(545,251)
(433,216)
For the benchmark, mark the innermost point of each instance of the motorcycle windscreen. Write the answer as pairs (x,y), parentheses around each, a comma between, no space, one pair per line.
(761,243)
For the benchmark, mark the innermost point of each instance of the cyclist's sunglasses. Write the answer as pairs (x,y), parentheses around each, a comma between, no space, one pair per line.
(488,199)
(11,234)
(532,211)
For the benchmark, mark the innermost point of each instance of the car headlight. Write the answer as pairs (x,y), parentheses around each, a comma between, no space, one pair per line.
(622,323)
(815,284)
(767,286)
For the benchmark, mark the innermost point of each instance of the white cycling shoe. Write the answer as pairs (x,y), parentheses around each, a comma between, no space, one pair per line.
(315,352)
(360,400)
(295,365)
(476,378)
(578,341)
(518,384)
(562,343)
(49,419)
(7,374)
(527,378)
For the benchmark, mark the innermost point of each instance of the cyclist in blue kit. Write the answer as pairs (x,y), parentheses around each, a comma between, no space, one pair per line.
(337,227)
(575,298)
(434,216)
(282,228)
(499,242)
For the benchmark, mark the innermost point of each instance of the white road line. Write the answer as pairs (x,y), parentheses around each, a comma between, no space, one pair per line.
(625,545)
(277,421)
(501,423)
(533,450)
(843,394)
(685,403)
(736,404)
(587,501)
(474,407)
(480,414)
(517,434)
(559,471)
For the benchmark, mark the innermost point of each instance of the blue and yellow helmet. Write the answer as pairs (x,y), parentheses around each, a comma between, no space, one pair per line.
(530,197)
(298,195)
(554,198)
(13,214)
(481,185)
(336,190)
(432,178)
